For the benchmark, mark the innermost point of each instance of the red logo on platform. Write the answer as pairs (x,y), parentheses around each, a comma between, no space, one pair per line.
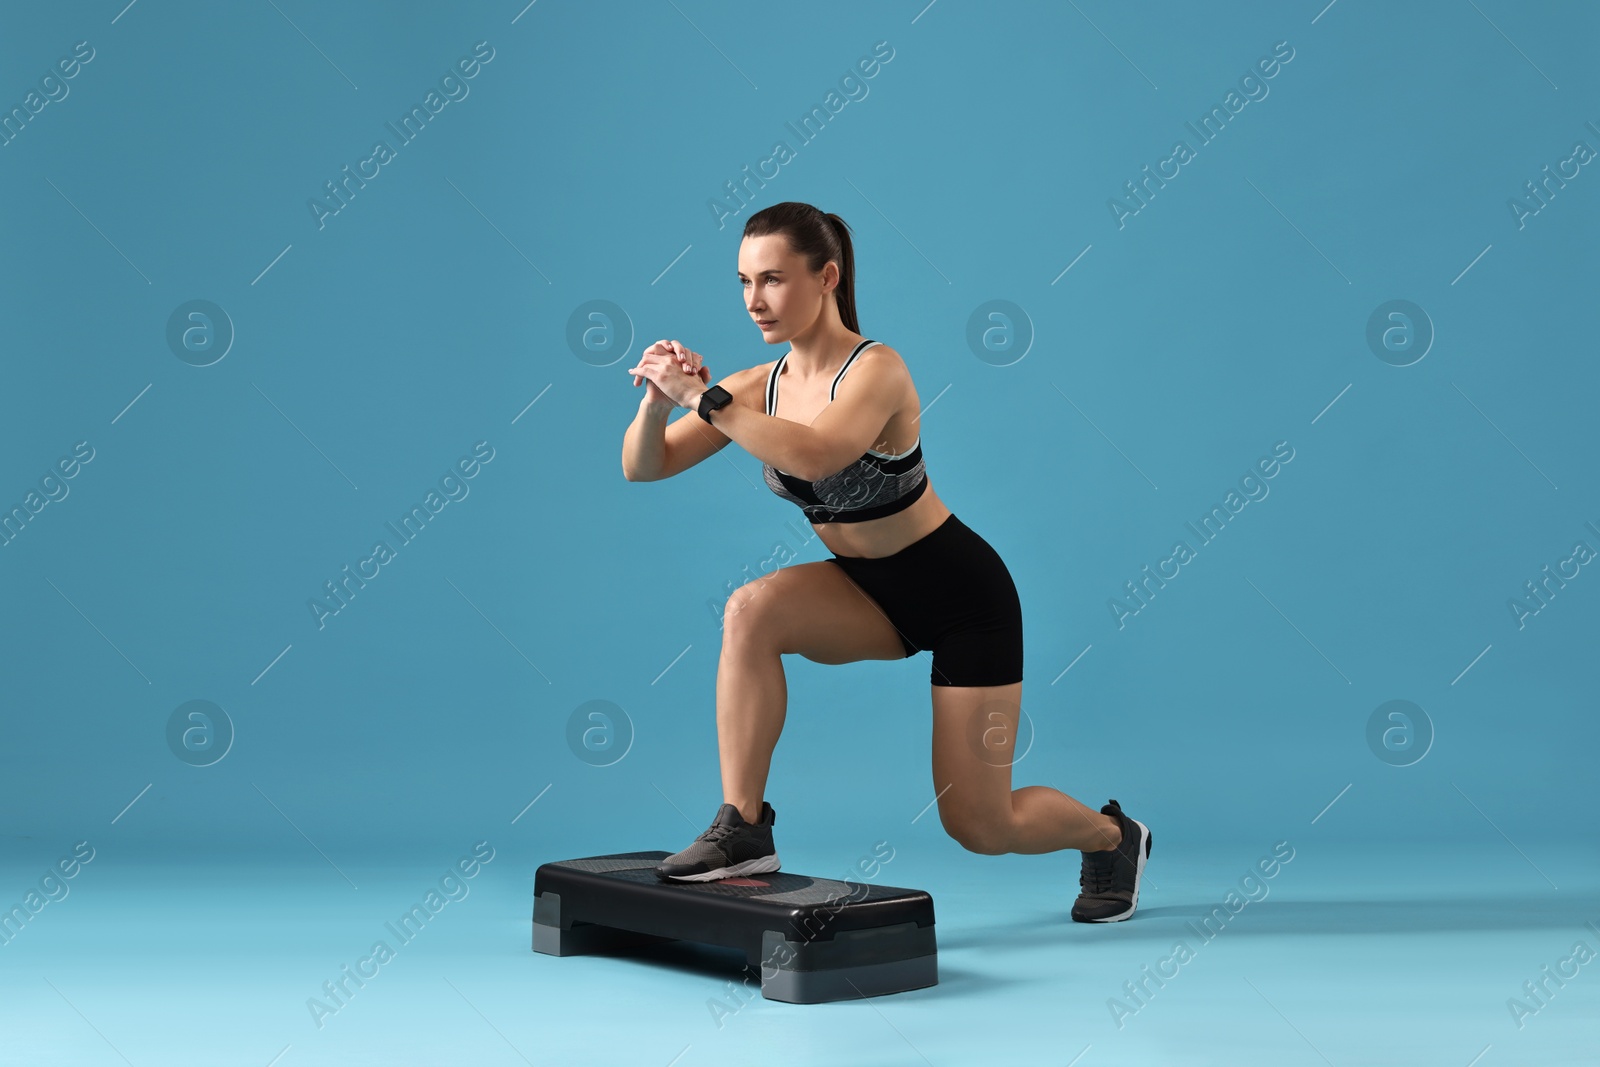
(742,881)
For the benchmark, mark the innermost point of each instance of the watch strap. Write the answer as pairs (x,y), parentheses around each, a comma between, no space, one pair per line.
(712,399)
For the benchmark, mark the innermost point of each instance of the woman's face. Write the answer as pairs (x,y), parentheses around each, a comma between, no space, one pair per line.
(778,289)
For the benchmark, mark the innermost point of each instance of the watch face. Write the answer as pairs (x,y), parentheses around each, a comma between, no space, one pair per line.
(712,399)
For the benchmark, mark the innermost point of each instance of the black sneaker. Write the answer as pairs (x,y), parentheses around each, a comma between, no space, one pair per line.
(729,848)
(1110,878)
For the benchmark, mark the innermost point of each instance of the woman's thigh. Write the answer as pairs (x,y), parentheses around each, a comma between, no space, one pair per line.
(814,610)
(974,748)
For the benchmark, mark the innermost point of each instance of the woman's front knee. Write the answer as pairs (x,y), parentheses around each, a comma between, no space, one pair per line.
(752,612)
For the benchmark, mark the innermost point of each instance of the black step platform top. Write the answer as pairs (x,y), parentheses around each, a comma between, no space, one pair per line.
(624,887)
(821,938)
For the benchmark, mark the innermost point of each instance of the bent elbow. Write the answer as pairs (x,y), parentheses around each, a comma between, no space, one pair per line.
(814,470)
(803,467)
(639,476)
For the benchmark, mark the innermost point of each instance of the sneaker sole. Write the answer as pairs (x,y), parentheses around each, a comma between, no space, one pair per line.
(1145,841)
(759,865)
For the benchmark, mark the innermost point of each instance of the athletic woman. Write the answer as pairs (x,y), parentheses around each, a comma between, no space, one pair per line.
(835,422)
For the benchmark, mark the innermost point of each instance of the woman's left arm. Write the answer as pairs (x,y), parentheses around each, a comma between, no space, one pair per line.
(862,405)
(787,445)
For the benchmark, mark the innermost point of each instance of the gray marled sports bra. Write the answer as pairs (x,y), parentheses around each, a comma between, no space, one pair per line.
(875,485)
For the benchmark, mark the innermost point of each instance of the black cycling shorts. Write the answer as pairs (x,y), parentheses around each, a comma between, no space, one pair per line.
(950,592)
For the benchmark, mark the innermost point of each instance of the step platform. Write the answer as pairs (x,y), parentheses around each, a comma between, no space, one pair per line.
(813,939)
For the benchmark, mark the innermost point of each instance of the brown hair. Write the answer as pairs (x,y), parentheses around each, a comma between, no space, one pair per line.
(818,238)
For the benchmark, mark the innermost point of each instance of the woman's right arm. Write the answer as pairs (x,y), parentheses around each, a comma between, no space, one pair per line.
(644,446)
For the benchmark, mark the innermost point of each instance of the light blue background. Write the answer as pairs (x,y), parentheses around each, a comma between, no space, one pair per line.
(1229,314)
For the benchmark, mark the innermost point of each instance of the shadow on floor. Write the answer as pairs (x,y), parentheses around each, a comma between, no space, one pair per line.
(1275,918)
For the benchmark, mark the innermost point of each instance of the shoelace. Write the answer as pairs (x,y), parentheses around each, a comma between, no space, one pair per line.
(1099,871)
(716,832)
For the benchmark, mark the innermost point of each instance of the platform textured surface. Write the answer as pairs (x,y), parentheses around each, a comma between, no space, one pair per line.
(779,887)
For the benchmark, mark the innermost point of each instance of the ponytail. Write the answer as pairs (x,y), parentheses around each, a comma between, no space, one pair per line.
(846,293)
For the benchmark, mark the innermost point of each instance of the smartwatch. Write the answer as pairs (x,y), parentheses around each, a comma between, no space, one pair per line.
(712,399)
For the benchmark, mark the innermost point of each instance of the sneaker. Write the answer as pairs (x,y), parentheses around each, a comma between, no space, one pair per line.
(730,847)
(1110,878)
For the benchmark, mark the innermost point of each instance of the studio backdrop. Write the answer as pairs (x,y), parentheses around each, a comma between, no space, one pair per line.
(1264,359)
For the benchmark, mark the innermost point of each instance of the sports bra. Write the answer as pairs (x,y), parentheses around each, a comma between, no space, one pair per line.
(875,485)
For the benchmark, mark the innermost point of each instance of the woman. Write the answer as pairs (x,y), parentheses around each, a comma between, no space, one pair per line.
(835,421)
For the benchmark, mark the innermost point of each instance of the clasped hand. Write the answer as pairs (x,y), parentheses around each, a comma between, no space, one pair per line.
(672,374)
